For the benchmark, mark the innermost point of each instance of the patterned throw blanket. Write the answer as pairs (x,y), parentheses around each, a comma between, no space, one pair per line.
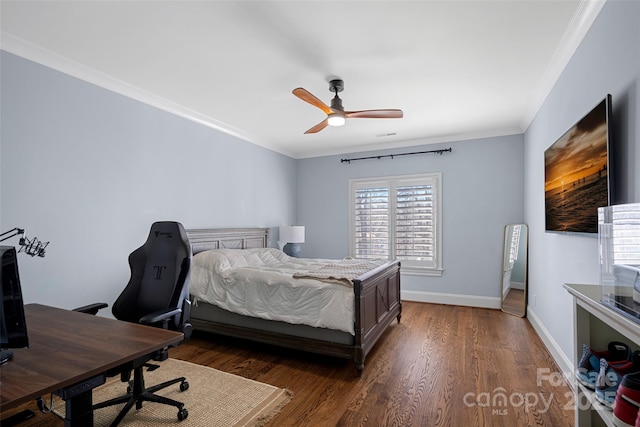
(342,272)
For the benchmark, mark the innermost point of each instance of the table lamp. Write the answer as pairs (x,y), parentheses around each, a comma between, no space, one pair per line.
(291,236)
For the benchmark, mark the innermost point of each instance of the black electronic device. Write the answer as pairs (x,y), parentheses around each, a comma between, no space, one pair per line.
(13,325)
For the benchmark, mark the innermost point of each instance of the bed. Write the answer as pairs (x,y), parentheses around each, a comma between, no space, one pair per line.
(373,299)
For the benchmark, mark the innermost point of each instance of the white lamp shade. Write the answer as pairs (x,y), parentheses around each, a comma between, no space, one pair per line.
(292,234)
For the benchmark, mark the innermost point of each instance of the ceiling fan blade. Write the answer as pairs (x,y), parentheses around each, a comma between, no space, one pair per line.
(306,96)
(317,128)
(374,114)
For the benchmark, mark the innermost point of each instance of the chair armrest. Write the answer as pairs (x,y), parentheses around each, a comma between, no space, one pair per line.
(91,308)
(160,316)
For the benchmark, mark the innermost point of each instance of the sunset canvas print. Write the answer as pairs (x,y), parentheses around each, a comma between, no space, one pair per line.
(577,174)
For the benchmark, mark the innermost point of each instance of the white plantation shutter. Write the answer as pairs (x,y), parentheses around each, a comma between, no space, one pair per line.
(397,218)
(619,246)
(372,222)
(515,244)
(415,222)
(626,234)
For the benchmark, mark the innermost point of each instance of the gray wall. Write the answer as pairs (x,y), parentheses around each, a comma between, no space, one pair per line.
(90,171)
(482,185)
(607,61)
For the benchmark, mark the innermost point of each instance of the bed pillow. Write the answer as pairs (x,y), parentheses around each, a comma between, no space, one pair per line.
(213,260)
(222,260)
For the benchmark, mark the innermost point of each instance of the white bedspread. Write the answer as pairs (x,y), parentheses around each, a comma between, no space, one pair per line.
(260,283)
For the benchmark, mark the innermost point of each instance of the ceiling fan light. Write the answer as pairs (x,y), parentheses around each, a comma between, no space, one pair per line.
(335,119)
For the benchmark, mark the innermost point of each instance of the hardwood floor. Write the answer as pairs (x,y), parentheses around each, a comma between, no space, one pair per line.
(441,366)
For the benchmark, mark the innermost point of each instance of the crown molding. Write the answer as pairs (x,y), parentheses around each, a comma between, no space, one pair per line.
(585,15)
(415,142)
(29,51)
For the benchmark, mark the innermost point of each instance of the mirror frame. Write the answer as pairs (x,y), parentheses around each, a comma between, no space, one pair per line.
(516,306)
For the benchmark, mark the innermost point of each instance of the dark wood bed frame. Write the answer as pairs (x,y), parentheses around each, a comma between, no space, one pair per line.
(377,303)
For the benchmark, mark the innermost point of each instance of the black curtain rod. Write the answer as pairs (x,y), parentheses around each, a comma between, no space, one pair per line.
(444,150)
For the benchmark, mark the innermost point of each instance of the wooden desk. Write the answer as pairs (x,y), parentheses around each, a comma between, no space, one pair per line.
(69,353)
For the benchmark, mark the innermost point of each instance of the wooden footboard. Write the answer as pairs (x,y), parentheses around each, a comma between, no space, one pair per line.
(377,303)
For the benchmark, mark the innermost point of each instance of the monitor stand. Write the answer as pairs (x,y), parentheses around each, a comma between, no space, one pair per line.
(5,356)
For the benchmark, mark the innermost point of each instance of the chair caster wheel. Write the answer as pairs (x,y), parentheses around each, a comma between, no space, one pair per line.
(182,414)
(184,386)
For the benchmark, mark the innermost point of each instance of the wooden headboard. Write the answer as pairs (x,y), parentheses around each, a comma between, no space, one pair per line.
(203,239)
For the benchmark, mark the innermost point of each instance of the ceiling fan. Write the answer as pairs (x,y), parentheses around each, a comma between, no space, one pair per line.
(336,116)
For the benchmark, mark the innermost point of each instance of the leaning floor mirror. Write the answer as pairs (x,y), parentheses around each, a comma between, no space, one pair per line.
(514,270)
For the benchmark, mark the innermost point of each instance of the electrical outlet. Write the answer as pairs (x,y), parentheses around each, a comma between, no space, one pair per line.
(533,300)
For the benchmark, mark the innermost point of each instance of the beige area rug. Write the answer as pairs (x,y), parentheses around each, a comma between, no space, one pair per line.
(214,398)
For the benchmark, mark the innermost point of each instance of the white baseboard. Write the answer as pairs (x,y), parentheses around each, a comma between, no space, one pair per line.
(518,285)
(565,364)
(451,299)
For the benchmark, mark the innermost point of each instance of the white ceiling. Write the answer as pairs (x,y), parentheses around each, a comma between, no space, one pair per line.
(458,69)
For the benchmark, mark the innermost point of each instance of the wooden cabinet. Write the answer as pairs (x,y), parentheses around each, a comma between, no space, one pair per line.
(596,325)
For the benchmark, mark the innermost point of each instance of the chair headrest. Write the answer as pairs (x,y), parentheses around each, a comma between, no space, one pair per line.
(167,231)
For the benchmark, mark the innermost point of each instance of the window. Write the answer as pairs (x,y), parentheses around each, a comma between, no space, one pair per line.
(625,234)
(619,248)
(398,218)
(515,245)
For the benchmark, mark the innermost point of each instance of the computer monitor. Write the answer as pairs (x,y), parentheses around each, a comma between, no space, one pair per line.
(13,326)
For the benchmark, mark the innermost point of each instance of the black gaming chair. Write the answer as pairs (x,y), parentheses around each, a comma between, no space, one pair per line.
(157,294)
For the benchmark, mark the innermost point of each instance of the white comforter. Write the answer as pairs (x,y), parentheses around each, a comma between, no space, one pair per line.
(260,283)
